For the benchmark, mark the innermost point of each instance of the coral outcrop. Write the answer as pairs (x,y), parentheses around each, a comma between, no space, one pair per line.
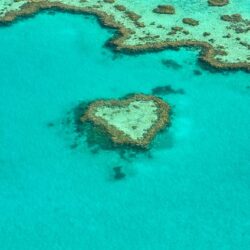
(134,120)
(164,9)
(218,2)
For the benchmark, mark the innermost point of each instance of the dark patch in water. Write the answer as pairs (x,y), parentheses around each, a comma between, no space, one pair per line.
(118,173)
(78,111)
(51,12)
(50,124)
(166,90)
(74,145)
(171,64)
(197,72)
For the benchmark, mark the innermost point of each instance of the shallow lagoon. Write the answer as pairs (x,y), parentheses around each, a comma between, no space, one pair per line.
(191,191)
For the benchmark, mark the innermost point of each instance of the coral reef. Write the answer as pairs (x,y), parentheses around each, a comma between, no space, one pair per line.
(139,30)
(166,90)
(171,64)
(164,9)
(235,18)
(190,21)
(218,2)
(134,120)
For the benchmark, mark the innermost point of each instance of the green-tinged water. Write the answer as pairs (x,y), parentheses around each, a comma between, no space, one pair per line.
(190,191)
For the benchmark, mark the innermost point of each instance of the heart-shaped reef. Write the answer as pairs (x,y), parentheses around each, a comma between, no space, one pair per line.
(134,120)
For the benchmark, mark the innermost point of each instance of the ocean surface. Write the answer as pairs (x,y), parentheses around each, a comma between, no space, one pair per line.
(191,190)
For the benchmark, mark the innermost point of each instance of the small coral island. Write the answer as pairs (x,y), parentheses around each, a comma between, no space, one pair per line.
(134,120)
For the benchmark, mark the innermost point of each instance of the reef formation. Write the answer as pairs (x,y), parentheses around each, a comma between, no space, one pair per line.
(218,2)
(134,120)
(142,26)
(164,9)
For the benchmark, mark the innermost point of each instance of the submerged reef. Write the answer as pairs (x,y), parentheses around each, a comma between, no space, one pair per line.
(134,120)
(165,9)
(81,135)
(118,174)
(166,90)
(218,2)
(222,36)
(169,63)
(190,21)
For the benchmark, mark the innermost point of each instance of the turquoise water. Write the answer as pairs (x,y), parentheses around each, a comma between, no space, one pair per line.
(191,191)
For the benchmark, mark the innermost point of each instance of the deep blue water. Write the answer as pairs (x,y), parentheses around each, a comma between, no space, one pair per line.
(191,191)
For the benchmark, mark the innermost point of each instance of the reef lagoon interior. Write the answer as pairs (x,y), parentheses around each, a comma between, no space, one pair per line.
(190,190)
